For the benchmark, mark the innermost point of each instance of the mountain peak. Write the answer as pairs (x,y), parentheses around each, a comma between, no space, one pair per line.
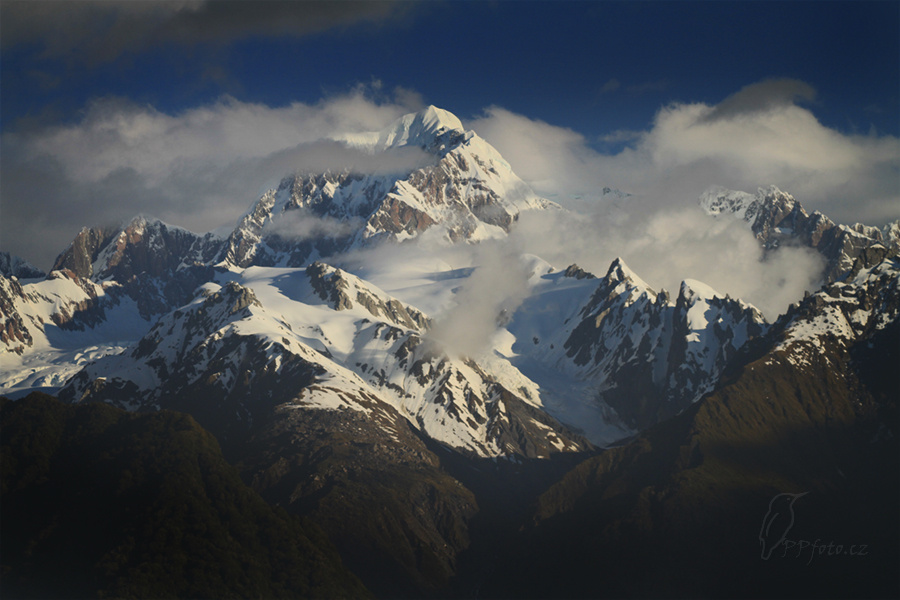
(619,271)
(438,117)
(691,289)
(420,128)
(718,200)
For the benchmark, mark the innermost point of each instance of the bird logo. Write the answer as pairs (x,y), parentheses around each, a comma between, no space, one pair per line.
(777,522)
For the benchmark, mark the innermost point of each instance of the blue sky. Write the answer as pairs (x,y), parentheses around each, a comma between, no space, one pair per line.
(593,78)
(591,66)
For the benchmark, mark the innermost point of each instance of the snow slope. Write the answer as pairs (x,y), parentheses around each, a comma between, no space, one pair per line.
(348,344)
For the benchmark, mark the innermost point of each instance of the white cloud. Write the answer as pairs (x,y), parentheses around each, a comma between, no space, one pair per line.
(199,169)
(204,167)
(666,246)
(553,160)
(758,136)
(496,287)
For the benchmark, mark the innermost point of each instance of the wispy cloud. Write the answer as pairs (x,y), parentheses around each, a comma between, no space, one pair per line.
(496,287)
(614,85)
(762,97)
(298,226)
(610,86)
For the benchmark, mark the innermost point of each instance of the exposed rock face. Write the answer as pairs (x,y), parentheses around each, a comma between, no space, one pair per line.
(151,247)
(71,303)
(644,355)
(13,331)
(296,222)
(341,290)
(842,313)
(79,257)
(157,265)
(778,219)
(15,266)
(811,410)
(78,314)
(462,188)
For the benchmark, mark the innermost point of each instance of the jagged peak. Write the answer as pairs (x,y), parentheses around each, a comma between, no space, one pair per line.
(143,221)
(229,299)
(867,231)
(577,272)
(620,279)
(238,296)
(619,271)
(891,233)
(772,191)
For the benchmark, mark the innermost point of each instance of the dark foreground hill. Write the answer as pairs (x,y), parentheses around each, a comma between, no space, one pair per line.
(98,502)
(697,506)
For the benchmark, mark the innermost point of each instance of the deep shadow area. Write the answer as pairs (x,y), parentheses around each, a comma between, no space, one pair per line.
(681,511)
(507,491)
(97,502)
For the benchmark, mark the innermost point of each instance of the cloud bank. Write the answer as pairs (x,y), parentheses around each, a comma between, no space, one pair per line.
(200,169)
(756,137)
(666,246)
(204,167)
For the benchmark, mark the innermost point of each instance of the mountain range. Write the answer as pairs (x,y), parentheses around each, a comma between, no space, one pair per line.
(596,417)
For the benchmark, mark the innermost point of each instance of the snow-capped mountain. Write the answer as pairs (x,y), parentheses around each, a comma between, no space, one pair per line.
(842,313)
(51,328)
(330,381)
(607,356)
(157,265)
(640,352)
(465,192)
(778,219)
(327,340)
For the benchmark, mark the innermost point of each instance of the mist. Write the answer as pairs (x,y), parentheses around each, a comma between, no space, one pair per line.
(665,247)
(300,225)
(495,289)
